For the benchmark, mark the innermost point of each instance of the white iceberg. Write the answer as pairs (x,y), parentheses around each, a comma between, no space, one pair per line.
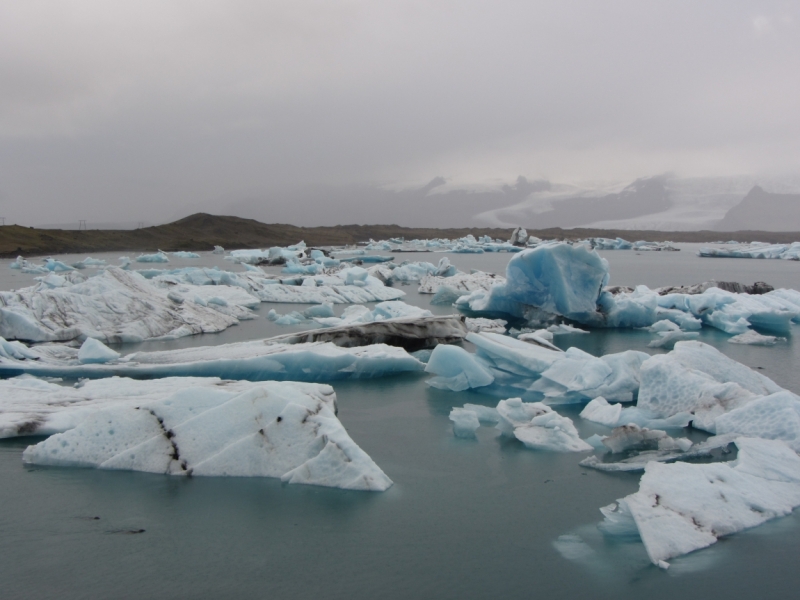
(753,338)
(534,424)
(284,430)
(94,351)
(698,379)
(115,306)
(158,257)
(683,507)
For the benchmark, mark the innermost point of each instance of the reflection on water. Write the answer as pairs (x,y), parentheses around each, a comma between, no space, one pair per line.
(481,518)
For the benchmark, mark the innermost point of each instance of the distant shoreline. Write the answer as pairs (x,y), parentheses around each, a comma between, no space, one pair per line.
(201,232)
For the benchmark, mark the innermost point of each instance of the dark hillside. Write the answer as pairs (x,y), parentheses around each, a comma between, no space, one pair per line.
(203,231)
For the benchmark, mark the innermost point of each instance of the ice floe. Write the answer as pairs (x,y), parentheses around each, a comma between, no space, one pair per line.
(256,360)
(114,306)
(284,430)
(683,507)
(534,424)
(536,372)
(754,250)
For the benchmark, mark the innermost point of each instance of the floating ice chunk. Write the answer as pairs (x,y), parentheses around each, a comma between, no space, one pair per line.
(541,338)
(158,257)
(557,278)
(293,318)
(551,432)
(754,250)
(284,430)
(487,415)
(669,450)
(355,275)
(667,339)
(774,417)
(683,320)
(515,413)
(445,296)
(600,411)
(663,326)
(563,329)
(490,325)
(465,422)
(56,265)
(218,250)
(94,351)
(89,262)
(256,360)
(456,369)
(460,283)
(754,339)
(182,254)
(382,311)
(321,310)
(632,436)
(683,507)
(409,333)
(698,379)
(115,306)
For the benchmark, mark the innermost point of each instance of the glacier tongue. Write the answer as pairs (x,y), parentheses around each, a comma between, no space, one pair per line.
(284,430)
(114,306)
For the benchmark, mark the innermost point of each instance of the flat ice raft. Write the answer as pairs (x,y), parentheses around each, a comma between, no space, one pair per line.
(116,306)
(256,360)
(284,430)
(682,507)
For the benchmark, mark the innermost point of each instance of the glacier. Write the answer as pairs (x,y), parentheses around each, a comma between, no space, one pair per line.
(284,430)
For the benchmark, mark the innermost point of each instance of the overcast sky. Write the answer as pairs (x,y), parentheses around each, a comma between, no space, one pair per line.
(149,110)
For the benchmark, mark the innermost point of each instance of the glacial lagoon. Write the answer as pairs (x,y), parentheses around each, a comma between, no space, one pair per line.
(465,518)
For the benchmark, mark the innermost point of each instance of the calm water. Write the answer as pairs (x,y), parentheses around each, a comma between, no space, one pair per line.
(465,519)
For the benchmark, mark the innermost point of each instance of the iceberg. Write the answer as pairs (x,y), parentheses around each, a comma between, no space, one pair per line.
(456,369)
(491,325)
(465,422)
(773,417)
(284,430)
(182,254)
(411,334)
(556,278)
(753,338)
(754,250)
(698,379)
(115,306)
(94,351)
(542,373)
(256,360)
(534,424)
(158,257)
(674,449)
(684,507)
(462,283)
(353,315)
(218,250)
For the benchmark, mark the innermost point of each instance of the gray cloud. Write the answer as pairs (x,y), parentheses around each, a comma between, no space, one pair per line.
(149,110)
